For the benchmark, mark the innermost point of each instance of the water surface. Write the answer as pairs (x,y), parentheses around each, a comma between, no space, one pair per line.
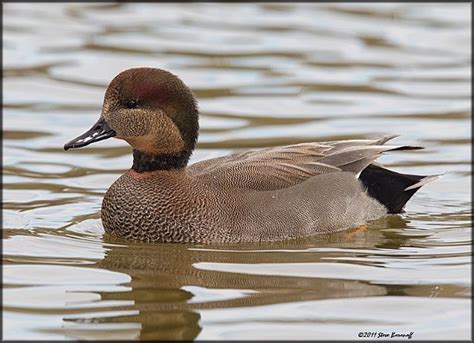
(265,75)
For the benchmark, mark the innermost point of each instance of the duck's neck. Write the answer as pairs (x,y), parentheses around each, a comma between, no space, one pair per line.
(146,162)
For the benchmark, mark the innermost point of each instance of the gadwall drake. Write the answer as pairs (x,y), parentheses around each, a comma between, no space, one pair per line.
(260,195)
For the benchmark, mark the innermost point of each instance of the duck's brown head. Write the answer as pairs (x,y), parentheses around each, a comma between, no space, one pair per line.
(155,112)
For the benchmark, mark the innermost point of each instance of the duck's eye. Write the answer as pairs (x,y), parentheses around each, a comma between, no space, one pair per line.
(132,103)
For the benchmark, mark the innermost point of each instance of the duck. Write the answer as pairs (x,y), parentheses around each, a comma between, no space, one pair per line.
(261,195)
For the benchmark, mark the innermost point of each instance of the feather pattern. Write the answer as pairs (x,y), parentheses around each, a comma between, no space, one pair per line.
(280,167)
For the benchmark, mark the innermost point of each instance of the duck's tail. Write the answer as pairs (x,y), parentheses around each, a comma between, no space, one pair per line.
(392,189)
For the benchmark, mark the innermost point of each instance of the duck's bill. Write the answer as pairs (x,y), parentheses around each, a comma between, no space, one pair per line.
(98,132)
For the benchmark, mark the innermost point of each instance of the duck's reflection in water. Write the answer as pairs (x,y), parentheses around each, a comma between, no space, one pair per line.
(168,289)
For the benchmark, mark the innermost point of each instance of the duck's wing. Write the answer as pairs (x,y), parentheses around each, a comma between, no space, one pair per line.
(281,167)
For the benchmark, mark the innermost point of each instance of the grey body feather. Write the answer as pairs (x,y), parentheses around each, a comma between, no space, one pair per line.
(261,195)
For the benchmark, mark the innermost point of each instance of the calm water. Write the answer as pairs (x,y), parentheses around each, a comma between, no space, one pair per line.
(265,75)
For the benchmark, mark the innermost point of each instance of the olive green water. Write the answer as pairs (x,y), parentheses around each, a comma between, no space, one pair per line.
(265,75)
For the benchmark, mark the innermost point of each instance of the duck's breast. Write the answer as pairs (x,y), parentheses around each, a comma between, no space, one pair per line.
(157,208)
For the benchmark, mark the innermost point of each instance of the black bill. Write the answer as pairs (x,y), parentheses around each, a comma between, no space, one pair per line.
(98,132)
